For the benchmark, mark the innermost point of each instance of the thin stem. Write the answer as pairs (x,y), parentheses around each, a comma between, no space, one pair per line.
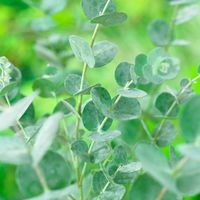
(161,194)
(146,129)
(173,105)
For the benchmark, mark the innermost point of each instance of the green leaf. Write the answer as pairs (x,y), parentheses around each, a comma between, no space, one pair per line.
(43,24)
(45,137)
(186,13)
(125,109)
(124,178)
(115,192)
(190,150)
(54,169)
(80,148)
(100,152)
(123,74)
(167,134)
(98,181)
(159,32)
(132,93)
(104,136)
(110,19)
(45,86)
(104,52)
(8,88)
(188,178)
(92,118)
(154,162)
(61,107)
(189,119)
(120,155)
(130,167)
(51,7)
(145,187)
(13,151)
(140,62)
(82,50)
(86,91)
(179,42)
(72,83)
(178,2)
(10,115)
(102,100)
(94,8)
(163,103)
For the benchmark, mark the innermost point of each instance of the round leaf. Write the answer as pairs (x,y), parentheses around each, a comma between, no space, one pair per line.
(132,93)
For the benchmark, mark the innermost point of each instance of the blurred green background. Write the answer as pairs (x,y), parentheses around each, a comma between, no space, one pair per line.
(19,32)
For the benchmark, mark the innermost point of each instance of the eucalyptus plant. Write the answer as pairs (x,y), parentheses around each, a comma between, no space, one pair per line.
(78,152)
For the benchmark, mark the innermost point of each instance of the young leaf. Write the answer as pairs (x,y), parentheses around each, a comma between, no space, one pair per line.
(10,115)
(94,8)
(92,118)
(110,19)
(189,119)
(145,187)
(159,32)
(72,84)
(130,167)
(98,181)
(104,136)
(54,169)
(8,88)
(154,162)
(100,152)
(163,103)
(45,137)
(104,52)
(61,107)
(187,13)
(82,50)
(120,155)
(13,151)
(123,74)
(132,93)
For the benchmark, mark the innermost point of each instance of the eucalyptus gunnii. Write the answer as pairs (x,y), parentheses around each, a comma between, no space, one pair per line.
(77,152)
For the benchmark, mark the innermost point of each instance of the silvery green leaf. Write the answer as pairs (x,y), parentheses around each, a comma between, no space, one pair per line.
(154,162)
(10,115)
(86,91)
(94,8)
(104,52)
(54,169)
(120,155)
(189,119)
(72,83)
(100,152)
(92,118)
(140,61)
(104,136)
(52,7)
(82,50)
(130,167)
(145,187)
(187,13)
(45,137)
(190,150)
(13,151)
(180,43)
(110,19)
(132,93)
(99,181)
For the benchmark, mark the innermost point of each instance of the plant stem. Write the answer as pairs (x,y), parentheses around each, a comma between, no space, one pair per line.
(146,129)
(173,105)
(161,194)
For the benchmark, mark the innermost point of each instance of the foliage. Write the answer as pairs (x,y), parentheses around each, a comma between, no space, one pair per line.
(77,151)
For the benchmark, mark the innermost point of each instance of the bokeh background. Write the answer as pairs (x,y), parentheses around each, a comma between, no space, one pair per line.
(20,31)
